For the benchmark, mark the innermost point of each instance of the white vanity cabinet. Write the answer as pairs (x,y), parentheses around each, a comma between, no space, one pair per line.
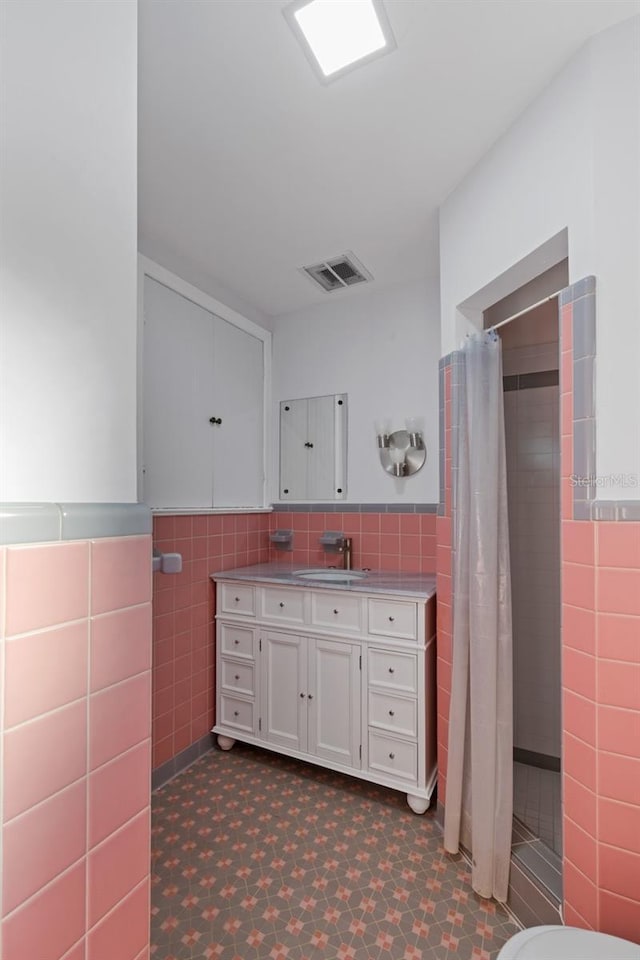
(343,679)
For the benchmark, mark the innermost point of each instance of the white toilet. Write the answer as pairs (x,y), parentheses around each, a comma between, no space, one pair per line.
(567,943)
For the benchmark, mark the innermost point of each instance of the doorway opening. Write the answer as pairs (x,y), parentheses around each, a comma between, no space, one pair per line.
(530,345)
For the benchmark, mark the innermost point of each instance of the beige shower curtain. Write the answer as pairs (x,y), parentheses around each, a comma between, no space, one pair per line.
(479,798)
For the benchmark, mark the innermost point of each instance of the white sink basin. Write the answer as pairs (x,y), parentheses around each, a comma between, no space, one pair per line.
(330,576)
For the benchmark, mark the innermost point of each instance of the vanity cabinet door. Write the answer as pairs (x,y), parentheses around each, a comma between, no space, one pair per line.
(284,690)
(334,701)
(311,696)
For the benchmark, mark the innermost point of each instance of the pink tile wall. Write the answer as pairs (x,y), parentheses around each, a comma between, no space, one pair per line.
(382,541)
(183,641)
(75,635)
(183,626)
(601,702)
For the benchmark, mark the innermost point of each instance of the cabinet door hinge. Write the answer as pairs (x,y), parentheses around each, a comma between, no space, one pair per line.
(360,749)
(360,662)
(259,723)
(260,644)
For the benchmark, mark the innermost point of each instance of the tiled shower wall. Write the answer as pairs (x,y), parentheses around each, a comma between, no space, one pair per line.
(184,604)
(75,639)
(532,437)
(600,631)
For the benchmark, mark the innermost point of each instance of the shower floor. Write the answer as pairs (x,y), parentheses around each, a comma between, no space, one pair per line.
(536,803)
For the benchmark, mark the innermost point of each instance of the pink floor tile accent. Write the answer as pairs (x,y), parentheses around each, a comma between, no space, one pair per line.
(120,645)
(48,800)
(46,585)
(44,671)
(42,843)
(120,573)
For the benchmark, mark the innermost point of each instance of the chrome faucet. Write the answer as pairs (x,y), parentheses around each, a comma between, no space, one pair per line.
(345,549)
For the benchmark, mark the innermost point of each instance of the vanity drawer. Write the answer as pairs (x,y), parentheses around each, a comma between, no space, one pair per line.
(396,758)
(236,713)
(393,618)
(396,714)
(238,598)
(237,677)
(339,610)
(282,605)
(398,671)
(237,641)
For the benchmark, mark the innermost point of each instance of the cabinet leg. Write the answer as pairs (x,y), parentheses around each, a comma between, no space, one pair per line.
(417,804)
(225,743)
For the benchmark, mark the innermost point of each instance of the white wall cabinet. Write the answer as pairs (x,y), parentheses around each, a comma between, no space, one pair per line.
(313,448)
(345,680)
(202,406)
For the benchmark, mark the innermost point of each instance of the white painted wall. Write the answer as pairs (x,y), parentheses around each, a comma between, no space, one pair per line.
(381,347)
(68,251)
(570,161)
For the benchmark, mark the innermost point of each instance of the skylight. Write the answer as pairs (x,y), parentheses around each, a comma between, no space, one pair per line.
(338,35)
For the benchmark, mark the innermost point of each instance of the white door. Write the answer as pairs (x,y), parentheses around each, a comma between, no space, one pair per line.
(321,460)
(334,701)
(238,375)
(177,400)
(294,452)
(284,690)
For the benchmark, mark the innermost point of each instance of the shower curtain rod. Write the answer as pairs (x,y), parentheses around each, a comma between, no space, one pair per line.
(526,310)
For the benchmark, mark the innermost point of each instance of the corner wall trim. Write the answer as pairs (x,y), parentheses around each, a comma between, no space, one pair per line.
(167,771)
(50,522)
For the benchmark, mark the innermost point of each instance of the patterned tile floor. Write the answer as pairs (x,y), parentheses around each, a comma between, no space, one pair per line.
(259,857)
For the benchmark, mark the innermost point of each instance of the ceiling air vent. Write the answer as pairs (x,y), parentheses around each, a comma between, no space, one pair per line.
(339,272)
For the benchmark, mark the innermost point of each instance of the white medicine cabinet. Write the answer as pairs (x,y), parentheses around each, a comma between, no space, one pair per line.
(202,403)
(313,448)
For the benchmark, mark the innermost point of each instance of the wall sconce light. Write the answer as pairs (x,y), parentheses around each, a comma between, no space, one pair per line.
(402,452)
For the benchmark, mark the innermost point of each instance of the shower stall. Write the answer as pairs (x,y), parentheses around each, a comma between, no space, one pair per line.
(532,436)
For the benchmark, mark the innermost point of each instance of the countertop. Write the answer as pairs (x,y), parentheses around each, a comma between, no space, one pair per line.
(376,581)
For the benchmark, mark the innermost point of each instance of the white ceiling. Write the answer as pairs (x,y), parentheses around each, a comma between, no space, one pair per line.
(250,168)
